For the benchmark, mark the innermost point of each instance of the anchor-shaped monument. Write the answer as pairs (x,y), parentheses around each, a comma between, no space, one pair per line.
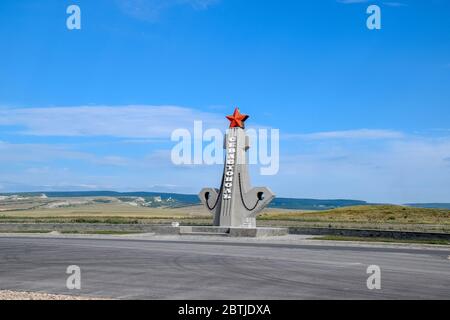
(236,204)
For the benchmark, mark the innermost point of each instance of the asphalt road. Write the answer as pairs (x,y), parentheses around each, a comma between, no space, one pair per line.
(161,269)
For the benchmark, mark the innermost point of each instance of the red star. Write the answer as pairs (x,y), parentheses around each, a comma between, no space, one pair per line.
(237,119)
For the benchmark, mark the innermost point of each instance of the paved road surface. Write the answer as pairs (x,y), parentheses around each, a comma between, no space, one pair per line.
(161,269)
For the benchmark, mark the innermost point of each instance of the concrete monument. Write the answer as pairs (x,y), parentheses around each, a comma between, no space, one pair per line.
(236,204)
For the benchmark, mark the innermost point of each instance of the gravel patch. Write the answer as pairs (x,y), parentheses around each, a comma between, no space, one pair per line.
(19,295)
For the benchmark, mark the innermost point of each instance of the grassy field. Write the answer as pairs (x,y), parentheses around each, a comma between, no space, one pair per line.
(369,213)
(386,217)
(114,209)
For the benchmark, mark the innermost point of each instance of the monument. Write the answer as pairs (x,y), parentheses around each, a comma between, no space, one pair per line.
(236,204)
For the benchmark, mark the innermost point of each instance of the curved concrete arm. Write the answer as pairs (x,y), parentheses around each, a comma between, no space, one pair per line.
(210,198)
(257,199)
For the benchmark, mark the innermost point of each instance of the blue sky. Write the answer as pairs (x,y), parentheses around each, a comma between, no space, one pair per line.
(362,114)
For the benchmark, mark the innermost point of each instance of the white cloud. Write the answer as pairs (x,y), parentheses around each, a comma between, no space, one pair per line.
(387,3)
(44,153)
(142,123)
(352,1)
(32,167)
(412,169)
(150,10)
(369,164)
(122,121)
(395,4)
(15,153)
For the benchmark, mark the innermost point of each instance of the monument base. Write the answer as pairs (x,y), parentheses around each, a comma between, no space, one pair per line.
(232,231)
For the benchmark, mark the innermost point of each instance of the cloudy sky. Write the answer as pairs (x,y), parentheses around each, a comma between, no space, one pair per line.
(362,114)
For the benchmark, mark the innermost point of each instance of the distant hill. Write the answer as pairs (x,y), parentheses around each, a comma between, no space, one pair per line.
(180,200)
(430,205)
(313,204)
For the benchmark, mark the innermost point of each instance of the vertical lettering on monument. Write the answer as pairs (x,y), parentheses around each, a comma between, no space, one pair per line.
(236,204)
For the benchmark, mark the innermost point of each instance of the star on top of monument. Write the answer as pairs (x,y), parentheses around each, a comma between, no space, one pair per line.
(237,119)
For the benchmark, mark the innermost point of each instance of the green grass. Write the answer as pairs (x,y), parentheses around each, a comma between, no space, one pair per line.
(95,219)
(104,232)
(377,217)
(369,213)
(345,238)
(357,214)
(25,231)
